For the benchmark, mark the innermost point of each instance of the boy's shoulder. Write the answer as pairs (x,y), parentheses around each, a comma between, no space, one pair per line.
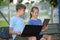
(13,18)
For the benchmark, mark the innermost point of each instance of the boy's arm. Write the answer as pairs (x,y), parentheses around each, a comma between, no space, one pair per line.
(12,26)
(12,32)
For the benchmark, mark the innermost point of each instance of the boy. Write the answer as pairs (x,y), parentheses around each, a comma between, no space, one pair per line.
(17,23)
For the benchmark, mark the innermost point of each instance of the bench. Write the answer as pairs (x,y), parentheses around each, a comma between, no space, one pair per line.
(4,33)
(52,29)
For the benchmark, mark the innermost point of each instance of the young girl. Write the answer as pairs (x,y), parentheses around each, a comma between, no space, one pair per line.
(35,21)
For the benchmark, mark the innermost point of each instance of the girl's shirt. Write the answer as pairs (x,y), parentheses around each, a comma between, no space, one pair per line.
(35,22)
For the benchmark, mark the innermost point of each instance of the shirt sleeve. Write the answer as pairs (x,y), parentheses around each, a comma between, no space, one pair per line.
(29,22)
(40,21)
(12,22)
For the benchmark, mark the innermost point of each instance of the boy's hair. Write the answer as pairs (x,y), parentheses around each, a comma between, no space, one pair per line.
(20,6)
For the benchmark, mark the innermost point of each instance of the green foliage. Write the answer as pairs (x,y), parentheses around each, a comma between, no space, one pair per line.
(20,1)
(4,2)
(53,2)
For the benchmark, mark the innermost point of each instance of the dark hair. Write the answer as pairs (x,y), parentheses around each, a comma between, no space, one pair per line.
(20,6)
(32,10)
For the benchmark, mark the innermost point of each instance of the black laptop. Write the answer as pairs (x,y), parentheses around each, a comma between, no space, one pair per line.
(33,30)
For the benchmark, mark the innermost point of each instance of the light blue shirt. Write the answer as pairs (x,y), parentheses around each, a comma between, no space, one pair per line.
(17,24)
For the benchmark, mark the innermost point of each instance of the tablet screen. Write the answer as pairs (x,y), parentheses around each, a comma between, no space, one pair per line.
(46,21)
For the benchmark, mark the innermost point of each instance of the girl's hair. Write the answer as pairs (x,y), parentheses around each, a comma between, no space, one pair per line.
(32,10)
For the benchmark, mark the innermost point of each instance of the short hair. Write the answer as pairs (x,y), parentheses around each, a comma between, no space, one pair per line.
(20,6)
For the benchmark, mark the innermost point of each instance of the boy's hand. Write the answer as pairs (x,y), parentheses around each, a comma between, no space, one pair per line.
(43,30)
(18,32)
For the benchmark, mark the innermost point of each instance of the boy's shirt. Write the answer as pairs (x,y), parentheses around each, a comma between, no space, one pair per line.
(35,22)
(17,24)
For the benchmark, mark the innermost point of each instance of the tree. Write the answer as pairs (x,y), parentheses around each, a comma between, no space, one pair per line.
(4,2)
(19,1)
(54,3)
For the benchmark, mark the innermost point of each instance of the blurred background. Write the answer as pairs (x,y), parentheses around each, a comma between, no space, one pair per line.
(47,9)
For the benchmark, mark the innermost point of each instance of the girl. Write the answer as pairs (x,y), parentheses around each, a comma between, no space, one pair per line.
(35,21)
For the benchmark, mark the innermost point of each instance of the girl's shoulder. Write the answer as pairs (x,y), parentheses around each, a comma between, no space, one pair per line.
(39,19)
(30,20)
(34,20)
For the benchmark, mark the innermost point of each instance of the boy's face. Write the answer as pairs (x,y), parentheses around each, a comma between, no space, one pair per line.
(35,13)
(21,12)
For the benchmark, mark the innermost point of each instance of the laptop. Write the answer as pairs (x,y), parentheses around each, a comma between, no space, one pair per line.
(33,30)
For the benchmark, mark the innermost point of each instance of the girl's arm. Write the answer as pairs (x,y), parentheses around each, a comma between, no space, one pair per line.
(44,28)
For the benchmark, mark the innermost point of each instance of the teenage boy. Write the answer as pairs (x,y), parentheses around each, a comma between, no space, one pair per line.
(17,23)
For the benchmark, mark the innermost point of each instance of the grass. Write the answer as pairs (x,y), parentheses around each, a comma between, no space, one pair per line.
(3,23)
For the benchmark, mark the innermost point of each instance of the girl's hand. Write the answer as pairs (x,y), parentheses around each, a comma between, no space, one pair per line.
(44,28)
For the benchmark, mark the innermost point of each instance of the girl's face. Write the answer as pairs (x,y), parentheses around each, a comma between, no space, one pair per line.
(35,13)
